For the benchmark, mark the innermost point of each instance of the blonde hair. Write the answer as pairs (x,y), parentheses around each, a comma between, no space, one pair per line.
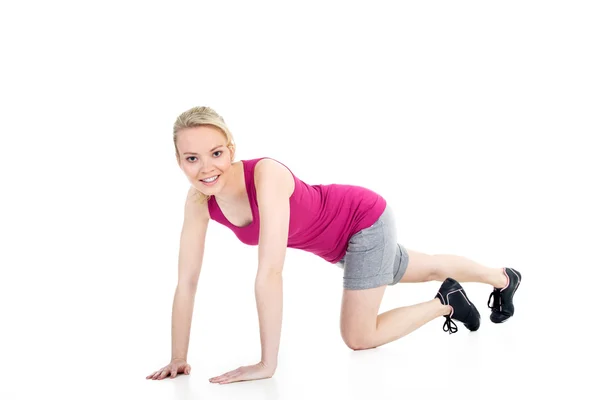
(199,116)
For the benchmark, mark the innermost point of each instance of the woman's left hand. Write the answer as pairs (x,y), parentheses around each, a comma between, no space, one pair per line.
(246,373)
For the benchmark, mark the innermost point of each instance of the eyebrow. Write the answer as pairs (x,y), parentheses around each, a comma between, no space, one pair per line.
(211,150)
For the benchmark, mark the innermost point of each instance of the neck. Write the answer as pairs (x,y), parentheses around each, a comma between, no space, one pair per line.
(235,186)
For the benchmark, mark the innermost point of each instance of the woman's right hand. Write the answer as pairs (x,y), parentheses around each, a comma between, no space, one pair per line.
(176,366)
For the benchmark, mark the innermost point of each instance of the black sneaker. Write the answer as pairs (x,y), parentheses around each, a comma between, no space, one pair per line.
(463,310)
(502,306)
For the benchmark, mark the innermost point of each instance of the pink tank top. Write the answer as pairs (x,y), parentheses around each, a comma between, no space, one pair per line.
(322,217)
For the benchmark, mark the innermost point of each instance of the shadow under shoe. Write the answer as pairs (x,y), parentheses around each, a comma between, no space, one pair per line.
(502,305)
(463,310)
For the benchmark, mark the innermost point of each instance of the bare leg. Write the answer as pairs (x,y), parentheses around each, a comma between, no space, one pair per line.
(362,328)
(425,267)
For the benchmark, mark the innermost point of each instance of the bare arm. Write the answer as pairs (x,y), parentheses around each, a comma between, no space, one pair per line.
(274,184)
(191,252)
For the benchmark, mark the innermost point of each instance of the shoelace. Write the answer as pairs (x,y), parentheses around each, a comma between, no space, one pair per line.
(497,301)
(449,325)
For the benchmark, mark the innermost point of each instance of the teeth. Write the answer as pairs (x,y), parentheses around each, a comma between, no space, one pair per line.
(208,180)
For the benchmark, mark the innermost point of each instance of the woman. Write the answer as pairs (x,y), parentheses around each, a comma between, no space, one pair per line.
(265,204)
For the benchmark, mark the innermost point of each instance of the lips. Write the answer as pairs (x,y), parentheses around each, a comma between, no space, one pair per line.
(212,182)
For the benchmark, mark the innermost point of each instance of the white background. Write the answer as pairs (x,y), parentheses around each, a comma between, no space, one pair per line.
(477,121)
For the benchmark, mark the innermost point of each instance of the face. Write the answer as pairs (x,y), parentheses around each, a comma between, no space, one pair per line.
(203,155)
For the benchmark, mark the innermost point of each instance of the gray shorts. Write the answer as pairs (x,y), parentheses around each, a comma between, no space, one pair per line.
(373,257)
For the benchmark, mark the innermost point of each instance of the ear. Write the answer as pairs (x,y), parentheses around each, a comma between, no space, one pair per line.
(231,151)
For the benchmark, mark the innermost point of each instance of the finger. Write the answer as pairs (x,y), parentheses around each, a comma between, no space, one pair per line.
(238,376)
(219,378)
(226,376)
(223,376)
(173,373)
(232,379)
(163,374)
(187,370)
(157,374)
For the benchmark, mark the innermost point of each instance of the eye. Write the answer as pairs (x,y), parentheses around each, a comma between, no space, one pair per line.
(189,158)
(220,152)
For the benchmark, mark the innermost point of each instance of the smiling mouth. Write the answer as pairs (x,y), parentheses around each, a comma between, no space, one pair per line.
(210,180)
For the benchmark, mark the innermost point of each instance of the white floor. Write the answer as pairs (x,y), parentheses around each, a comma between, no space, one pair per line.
(101,341)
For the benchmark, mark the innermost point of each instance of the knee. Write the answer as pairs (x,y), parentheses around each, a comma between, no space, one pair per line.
(356,342)
(357,345)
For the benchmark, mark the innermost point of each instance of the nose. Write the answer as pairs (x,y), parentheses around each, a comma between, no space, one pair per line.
(205,166)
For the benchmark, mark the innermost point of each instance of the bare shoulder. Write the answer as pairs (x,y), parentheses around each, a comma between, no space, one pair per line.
(195,209)
(269,172)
